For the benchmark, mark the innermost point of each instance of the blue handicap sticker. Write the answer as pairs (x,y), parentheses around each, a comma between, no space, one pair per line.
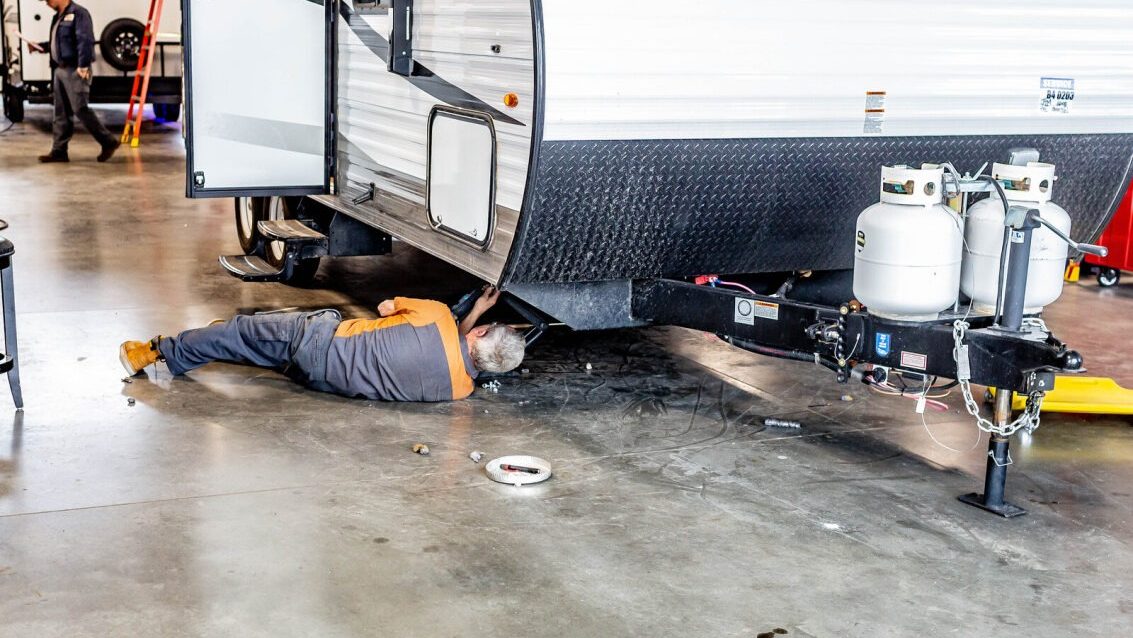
(881,344)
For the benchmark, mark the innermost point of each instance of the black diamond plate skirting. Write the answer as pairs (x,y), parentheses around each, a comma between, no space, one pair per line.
(603,210)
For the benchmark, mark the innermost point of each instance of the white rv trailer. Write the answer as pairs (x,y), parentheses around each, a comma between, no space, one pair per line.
(562,148)
(592,158)
(118,29)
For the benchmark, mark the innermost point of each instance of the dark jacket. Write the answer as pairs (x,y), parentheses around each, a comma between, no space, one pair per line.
(75,38)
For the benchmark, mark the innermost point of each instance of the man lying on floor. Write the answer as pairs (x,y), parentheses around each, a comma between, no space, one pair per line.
(416,351)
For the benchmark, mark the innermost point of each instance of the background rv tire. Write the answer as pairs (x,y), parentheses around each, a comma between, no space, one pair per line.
(167,112)
(13,104)
(121,43)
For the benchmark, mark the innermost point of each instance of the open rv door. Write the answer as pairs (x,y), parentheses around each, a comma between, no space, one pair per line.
(259,88)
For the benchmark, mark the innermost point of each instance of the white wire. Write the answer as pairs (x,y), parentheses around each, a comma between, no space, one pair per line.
(888,390)
(857,342)
(924,396)
(929,396)
(979,437)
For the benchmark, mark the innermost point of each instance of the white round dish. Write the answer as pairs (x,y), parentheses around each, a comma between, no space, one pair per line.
(496,471)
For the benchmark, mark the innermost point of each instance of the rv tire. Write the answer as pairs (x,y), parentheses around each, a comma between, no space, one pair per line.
(13,103)
(273,252)
(249,213)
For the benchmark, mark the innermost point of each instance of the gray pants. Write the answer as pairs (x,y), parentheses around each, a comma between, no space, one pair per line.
(294,343)
(72,94)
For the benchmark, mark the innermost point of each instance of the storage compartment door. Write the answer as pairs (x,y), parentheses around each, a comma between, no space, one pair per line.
(35,25)
(258,83)
(461,174)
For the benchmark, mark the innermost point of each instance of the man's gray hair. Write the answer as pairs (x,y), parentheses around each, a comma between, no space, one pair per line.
(499,350)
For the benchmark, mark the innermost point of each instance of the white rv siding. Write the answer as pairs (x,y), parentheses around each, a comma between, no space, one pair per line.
(665,69)
(383,118)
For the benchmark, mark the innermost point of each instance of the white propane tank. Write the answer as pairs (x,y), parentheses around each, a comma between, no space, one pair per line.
(1029,186)
(909,247)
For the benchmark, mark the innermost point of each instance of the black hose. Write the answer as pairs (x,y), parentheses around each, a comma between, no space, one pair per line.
(781,354)
(1002,275)
(1002,251)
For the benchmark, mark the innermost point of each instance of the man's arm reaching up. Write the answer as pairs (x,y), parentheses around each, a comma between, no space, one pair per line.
(487,299)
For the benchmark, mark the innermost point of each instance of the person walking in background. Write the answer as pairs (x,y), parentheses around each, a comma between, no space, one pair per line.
(72,51)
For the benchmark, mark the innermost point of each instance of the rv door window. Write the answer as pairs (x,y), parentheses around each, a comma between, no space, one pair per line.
(259,94)
(461,174)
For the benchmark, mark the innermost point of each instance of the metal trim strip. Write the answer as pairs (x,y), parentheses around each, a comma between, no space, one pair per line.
(537,113)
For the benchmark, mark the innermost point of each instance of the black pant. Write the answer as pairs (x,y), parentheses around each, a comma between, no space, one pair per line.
(72,94)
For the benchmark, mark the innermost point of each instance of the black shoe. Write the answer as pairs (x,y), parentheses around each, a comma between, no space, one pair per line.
(54,157)
(108,151)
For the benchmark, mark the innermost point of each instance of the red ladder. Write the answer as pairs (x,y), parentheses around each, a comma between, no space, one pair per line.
(132,132)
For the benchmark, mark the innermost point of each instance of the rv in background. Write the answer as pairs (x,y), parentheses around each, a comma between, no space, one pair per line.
(118,27)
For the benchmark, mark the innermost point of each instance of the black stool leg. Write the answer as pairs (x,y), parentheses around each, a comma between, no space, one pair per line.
(9,293)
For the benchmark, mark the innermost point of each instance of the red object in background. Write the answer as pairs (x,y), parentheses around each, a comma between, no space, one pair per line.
(1117,237)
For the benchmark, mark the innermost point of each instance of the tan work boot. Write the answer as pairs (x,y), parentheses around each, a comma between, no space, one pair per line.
(136,355)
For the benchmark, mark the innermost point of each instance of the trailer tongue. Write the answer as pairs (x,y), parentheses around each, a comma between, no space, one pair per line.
(1007,350)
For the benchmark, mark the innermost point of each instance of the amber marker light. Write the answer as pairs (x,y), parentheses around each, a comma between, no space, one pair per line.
(511,100)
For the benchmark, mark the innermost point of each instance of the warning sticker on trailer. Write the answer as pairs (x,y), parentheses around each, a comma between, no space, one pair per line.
(914,360)
(874,113)
(1056,95)
(766,310)
(748,309)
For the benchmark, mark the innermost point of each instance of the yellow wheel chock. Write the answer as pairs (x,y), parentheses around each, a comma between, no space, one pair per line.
(1073,272)
(1082,395)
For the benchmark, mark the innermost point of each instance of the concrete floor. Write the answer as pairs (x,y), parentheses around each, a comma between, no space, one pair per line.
(233,503)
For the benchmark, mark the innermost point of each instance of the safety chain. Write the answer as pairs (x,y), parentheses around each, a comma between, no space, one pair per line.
(1028,420)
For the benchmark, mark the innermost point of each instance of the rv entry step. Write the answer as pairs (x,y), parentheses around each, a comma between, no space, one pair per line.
(251,268)
(301,245)
(290,230)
